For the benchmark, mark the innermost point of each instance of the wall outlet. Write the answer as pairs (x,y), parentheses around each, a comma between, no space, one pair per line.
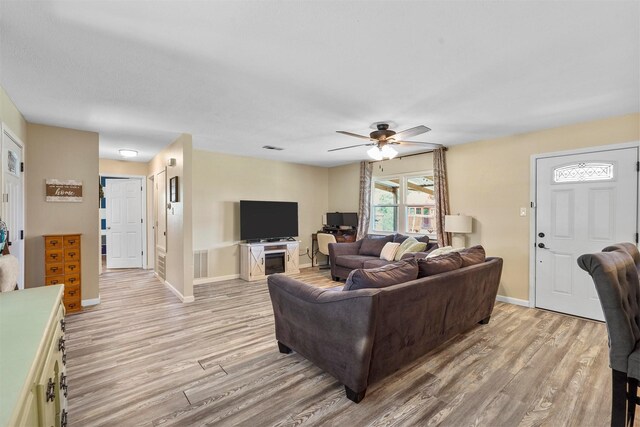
(523,211)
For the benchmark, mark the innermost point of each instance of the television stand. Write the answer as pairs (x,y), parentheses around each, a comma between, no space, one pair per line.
(259,259)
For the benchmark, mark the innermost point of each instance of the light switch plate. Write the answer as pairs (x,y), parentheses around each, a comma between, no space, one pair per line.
(523,211)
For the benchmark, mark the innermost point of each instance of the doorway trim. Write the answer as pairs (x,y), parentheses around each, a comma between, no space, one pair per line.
(143,184)
(4,128)
(533,207)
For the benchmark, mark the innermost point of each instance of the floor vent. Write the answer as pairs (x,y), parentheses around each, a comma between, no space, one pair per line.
(200,264)
(162,272)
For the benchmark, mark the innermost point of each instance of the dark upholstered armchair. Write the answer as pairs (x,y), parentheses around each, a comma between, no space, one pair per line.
(615,273)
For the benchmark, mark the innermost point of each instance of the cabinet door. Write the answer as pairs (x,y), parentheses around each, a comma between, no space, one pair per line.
(293,259)
(256,262)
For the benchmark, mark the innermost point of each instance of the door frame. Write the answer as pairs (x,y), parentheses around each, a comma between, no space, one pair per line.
(5,128)
(532,197)
(143,184)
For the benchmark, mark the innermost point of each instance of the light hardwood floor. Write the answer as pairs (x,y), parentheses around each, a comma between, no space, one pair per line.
(143,358)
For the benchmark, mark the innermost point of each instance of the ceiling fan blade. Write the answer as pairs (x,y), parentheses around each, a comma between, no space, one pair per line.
(430,144)
(353,134)
(408,133)
(350,146)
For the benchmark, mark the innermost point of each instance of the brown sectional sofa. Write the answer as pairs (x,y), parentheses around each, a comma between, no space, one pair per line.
(361,336)
(365,253)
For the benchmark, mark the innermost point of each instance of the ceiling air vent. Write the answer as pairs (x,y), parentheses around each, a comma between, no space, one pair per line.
(271,147)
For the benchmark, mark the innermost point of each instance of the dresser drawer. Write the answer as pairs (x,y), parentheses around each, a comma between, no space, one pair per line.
(71,254)
(53,242)
(72,306)
(72,241)
(54,269)
(71,292)
(72,279)
(72,267)
(53,255)
(53,280)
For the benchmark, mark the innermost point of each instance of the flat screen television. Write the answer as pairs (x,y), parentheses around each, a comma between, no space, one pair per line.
(268,220)
(350,219)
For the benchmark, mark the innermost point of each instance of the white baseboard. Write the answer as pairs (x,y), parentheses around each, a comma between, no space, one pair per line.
(90,302)
(179,294)
(515,301)
(204,280)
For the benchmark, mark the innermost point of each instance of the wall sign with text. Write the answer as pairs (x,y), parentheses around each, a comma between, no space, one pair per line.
(59,190)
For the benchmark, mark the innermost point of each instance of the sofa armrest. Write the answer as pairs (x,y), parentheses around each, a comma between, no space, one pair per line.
(335,330)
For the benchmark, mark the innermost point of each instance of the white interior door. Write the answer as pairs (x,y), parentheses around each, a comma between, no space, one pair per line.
(13,200)
(124,223)
(584,202)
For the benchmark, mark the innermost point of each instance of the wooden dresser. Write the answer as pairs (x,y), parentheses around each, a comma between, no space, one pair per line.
(62,265)
(33,381)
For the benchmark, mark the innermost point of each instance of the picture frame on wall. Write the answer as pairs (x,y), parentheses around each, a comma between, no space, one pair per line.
(173,189)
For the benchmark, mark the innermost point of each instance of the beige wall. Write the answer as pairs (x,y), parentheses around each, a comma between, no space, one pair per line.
(490,180)
(61,154)
(221,181)
(10,115)
(179,261)
(123,167)
(344,188)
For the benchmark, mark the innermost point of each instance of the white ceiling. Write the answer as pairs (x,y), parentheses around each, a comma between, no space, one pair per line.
(239,75)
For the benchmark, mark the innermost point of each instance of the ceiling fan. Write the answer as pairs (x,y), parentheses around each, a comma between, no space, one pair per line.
(382,139)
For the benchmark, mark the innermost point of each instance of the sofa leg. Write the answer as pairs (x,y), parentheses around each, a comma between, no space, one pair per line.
(485,321)
(355,396)
(283,348)
(335,278)
(632,399)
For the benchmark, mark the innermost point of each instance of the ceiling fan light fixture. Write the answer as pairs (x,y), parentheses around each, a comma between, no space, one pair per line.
(375,153)
(388,151)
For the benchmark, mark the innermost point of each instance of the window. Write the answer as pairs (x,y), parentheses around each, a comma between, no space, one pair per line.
(403,204)
(583,172)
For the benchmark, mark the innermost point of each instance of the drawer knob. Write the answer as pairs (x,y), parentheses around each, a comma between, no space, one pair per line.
(64,358)
(54,282)
(51,390)
(53,242)
(72,267)
(61,344)
(63,383)
(63,324)
(72,293)
(71,242)
(54,256)
(72,279)
(72,254)
(63,418)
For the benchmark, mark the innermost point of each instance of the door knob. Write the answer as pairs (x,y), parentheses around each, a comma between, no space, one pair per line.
(541,234)
(542,246)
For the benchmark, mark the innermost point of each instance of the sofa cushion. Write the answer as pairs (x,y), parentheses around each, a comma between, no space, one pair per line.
(473,255)
(381,277)
(351,261)
(399,238)
(439,264)
(389,250)
(372,246)
(404,246)
(375,263)
(423,239)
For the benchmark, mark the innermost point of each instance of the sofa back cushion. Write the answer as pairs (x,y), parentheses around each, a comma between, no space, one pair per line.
(381,277)
(473,255)
(439,264)
(372,246)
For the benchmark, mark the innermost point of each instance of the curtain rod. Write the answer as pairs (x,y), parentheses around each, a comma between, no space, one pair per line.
(406,155)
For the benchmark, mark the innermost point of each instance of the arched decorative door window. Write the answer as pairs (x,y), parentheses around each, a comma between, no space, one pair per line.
(581,172)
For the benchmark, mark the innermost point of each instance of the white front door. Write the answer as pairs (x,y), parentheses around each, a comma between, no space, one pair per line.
(584,202)
(124,223)
(13,200)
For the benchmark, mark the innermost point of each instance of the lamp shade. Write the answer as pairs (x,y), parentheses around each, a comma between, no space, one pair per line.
(457,224)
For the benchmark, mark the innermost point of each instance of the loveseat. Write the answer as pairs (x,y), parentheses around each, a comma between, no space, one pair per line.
(365,253)
(361,336)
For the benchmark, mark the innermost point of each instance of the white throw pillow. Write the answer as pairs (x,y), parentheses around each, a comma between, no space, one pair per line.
(441,251)
(389,251)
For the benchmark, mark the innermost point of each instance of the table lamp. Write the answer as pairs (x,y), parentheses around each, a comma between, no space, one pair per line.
(459,225)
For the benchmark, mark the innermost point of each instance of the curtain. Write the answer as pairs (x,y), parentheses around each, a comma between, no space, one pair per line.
(442,195)
(364,206)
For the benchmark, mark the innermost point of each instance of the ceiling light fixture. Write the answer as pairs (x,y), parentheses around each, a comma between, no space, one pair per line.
(125,152)
(379,153)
